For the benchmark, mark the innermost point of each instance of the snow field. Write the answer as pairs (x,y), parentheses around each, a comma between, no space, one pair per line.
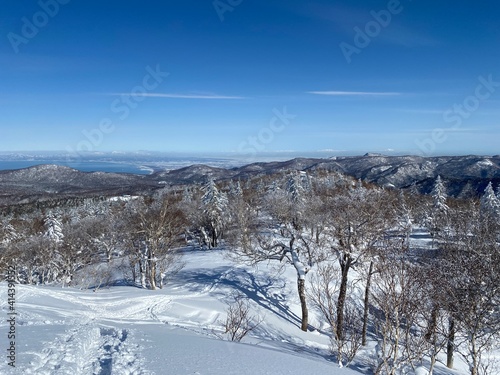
(176,330)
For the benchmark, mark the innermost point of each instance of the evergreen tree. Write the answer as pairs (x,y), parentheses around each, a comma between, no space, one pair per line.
(53,228)
(214,206)
(8,233)
(273,187)
(490,204)
(467,191)
(294,189)
(187,195)
(235,190)
(439,196)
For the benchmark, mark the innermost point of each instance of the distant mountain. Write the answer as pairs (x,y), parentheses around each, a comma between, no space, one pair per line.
(45,181)
(197,173)
(459,172)
(462,175)
(403,171)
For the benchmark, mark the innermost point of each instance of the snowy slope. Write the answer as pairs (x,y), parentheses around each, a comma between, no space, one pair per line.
(126,330)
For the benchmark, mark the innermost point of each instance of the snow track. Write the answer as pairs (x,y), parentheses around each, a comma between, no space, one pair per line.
(117,355)
(88,349)
(73,352)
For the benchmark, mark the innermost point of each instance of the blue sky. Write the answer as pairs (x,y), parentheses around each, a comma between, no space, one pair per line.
(247,76)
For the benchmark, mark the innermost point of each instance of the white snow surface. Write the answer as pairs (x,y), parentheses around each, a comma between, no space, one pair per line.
(127,330)
(176,330)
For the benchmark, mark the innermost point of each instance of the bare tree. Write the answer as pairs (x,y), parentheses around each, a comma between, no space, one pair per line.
(323,292)
(239,320)
(470,282)
(397,294)
(76,250)
(282,237)
(360,218)
(156,225)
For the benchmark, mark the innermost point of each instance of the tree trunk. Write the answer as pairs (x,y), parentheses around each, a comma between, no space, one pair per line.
(345,265)
(451,343)
(215,237)
(152,274)
(475,355)
(301,284)
(431,330)
(143,274)
(433,339)
(366,304)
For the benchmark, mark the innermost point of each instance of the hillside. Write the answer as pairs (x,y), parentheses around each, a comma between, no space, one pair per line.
(127,330)
(461,174)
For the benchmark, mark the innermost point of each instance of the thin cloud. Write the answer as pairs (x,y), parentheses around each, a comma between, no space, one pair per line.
(399,35)
(345,18)
(422,111)
(180,96)
(353,93)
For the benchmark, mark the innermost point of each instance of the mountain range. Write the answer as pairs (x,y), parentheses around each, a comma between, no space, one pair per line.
(463,175)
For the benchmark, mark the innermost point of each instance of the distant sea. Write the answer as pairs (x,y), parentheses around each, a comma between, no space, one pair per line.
(85,166)
(138,163)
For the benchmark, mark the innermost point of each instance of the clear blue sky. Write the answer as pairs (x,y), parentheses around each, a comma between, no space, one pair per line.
(251,76)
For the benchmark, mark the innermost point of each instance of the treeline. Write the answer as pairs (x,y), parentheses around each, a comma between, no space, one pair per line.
(352,246)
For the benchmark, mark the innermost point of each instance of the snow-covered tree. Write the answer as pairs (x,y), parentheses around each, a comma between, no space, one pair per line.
(156,227)
(490,204)
(399,295)
(295,189)
(273,188)
(215,212)
(439,195)
(8,233)
(235,190)
(436,214)
(187,195)
(53,228)
(359,219)
(470,283)
(467,191)
(281,236)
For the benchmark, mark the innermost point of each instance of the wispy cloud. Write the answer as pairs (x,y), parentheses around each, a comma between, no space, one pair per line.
(421,111)
(353,93)
(346,17)
(180,96)
(400,35)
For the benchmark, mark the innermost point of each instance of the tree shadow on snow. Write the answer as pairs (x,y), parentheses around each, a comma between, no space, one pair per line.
(265,291)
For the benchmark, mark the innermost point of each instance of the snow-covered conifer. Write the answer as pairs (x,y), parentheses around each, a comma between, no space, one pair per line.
(294,189)
(235,189)
(490,204)
(53,228)
(439,195)
(274,188)
(187,195)
(215,209)
(8,233)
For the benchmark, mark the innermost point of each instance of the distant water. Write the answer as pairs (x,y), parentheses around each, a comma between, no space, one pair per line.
(136,163)
(90,166)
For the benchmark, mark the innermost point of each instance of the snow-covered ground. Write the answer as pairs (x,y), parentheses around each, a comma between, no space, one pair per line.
(127,330)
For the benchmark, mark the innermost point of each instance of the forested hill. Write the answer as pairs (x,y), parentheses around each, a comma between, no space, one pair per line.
(396,171)
(463,175)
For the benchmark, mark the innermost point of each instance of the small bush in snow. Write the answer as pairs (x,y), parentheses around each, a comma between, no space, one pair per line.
(239,320)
